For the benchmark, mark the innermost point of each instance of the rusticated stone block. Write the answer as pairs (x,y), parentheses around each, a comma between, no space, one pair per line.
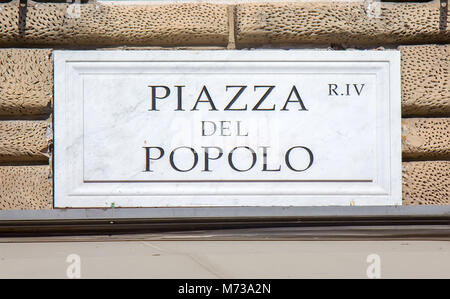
(26,81)
(98,24)
(426,138)
(426,183)
(350,23)
(24,141)
(25,188)
(425,80)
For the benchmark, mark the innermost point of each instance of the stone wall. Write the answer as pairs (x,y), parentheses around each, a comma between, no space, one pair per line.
(29,32)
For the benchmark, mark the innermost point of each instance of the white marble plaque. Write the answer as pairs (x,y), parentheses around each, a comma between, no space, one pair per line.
(227,128)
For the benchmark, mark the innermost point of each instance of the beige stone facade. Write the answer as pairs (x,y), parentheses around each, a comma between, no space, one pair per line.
(28,35)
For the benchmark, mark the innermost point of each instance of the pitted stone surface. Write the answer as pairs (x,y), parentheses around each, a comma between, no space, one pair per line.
(115,25)
(426,183)
(26,82)
(426,138)
(22,141)
(350,23)
(425,80)
(26,75)
(25,188)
